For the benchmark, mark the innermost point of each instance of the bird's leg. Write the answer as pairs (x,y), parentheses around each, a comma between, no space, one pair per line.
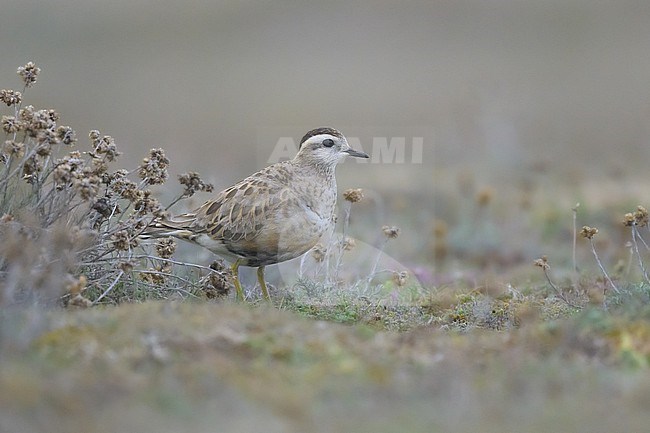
(235,276)
(260,278)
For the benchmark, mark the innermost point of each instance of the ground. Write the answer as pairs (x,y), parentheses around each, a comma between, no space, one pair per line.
(204,366)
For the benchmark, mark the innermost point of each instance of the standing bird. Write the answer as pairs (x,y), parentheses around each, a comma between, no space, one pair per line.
(276,214)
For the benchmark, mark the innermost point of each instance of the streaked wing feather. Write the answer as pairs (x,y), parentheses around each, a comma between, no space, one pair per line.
(239,212)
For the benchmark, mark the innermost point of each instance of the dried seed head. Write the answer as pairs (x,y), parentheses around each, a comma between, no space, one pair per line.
(62,174)
(122,241)
(399,278)
(79,301)
(52,114)
(14,148)
(641,216)
(638,218)
(10,97)
(165,248)
(104,147)
(153,169)
(629,220)
(29,73)
(218,266)
(146,204)
(98,168)
(87,186)
(193,183)
(66,134)
(26,113)
(318,252)
(588,232)
(391,232)
(74,160)
(484,196)
(11,125)
(216,285)
(348,243)
(125,188)
(126,266)
(156,275)
(31,168)
(353,195)
(40,119)
(542,263)
(77,286)
(119,174)
(45,138)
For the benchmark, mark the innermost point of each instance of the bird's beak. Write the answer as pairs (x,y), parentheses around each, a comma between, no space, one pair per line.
(356,153)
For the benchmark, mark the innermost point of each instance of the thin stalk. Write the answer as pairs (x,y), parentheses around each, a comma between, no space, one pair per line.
(373,270)
(635,244)
(602,268)
(575,236)
(645,244)
(559,292)
(176,200)
(110,288)
(339,256)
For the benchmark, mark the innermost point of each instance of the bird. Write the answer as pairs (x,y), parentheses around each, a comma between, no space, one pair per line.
(276,214)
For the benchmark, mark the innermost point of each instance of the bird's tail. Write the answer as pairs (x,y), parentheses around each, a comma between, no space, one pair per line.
(163,228)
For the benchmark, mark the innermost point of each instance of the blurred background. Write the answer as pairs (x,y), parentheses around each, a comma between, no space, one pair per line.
(509,95)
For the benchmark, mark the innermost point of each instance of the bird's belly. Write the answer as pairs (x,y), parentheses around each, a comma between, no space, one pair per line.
(277,243)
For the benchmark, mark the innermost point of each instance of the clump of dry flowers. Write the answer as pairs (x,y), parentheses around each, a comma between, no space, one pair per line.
(29,73)
(318,252)
(153,169)
(71,220)
(588,232)
(391,232)
(75,290)
(353,195)
(193,184)
(400,278)
(217,284)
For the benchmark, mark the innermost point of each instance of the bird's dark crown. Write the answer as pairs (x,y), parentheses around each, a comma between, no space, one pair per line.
(319,131)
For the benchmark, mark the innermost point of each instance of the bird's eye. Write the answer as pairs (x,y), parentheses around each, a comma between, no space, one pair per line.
(328,142)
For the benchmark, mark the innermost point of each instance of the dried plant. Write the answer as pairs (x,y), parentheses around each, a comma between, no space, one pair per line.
(589,233)
(634,220)
(389,232)
(71,219)
(345,243)
(542,263)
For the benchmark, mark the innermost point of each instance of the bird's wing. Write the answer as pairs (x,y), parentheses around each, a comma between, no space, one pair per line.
(239,212)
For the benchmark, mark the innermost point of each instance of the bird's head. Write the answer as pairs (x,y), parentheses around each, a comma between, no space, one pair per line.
(326,147)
